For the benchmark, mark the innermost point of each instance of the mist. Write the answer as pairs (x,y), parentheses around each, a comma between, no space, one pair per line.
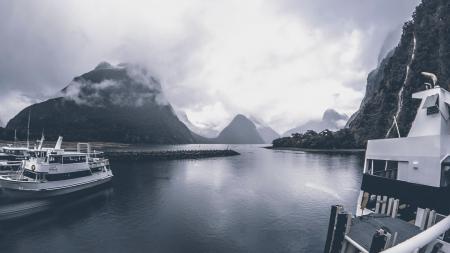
(284,62)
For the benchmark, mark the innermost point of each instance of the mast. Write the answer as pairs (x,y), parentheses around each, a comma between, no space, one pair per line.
(28,130)
(15,136)
(42,140)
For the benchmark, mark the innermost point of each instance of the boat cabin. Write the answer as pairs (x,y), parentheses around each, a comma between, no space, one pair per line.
(14,153)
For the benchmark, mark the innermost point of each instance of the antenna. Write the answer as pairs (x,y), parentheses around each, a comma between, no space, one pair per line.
(15,136)
(28,130)
(432,76)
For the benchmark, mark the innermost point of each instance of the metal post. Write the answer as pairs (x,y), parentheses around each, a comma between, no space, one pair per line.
(331,227)
(339,233)
(378,241)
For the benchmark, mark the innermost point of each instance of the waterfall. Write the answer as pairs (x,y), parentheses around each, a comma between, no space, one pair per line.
(400,93)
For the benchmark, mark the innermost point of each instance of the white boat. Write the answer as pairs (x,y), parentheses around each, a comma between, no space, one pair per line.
(11,156)
(54,171)
(404,201)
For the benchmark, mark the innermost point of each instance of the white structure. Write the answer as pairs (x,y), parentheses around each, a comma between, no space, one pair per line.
(11,156)
(50,172)
(405,189)
(417,156)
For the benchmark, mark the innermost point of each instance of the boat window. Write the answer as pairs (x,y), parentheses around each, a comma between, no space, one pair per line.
(97,169)
(445,173)
(431,104)
(36,154)
(29,174)
(383,168)
(19,152)
(55,159)
(40,176)
(74,159)
(65,176)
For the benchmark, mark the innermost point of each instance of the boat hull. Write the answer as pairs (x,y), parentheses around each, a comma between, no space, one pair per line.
(16,190)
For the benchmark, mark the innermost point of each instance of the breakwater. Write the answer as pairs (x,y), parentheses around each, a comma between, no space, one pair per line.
(168,155)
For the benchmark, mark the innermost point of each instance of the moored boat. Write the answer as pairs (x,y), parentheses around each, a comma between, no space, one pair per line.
(51,172)
(11,156)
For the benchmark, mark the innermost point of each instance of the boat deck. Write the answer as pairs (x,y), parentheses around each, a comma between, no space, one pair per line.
(364,227)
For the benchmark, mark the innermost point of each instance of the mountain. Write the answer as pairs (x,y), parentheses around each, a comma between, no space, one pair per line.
(122,103)
(424,46)
(268,134)
(331,120)
(241,130)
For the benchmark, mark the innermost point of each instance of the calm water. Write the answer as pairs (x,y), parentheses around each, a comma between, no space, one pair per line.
(261,201)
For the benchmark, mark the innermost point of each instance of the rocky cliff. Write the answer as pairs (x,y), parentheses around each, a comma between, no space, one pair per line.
(424,46)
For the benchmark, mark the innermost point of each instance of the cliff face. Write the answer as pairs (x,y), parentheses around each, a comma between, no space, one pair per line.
(424,46)
(121,103)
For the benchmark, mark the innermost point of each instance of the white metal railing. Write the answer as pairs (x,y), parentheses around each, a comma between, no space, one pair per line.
(355,244)
(423,239)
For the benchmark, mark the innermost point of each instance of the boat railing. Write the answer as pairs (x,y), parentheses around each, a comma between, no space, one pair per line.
(103,162)
(422,240)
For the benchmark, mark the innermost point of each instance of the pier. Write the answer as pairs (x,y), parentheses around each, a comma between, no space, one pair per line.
(169,154)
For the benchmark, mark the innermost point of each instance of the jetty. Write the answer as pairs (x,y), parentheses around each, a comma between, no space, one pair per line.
(169,154)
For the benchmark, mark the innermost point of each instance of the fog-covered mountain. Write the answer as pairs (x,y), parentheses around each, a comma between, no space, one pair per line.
(331,120)
(207,131)
(241,130)
(424,46)
(122,103)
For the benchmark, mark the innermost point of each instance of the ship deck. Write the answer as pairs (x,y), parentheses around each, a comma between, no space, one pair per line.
(363,228)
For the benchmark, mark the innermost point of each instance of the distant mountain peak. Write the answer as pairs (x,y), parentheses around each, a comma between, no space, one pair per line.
(104,65)
(331,120)
(241,130)
(331,114)
(240,117)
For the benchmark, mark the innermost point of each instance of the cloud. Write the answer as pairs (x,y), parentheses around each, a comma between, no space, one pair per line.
(12,103)
(279,60)
(133,86)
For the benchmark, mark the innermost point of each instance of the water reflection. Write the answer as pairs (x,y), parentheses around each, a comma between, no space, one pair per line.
(261,201)
(12,210)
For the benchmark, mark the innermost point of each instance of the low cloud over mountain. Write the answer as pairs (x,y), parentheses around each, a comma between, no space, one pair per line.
(331,120)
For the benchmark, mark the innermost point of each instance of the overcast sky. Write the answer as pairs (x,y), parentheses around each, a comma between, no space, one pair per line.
(282,61)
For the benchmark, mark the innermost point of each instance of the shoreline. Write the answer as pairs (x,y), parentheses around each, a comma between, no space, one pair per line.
(311,150)
(168,154)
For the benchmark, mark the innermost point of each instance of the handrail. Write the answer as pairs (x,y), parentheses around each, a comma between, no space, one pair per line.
(422,239)
(355,244)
